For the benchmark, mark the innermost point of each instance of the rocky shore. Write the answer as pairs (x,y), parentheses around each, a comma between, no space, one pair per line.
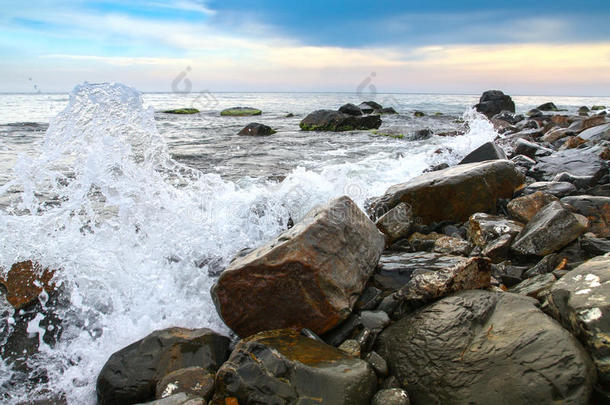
(487,282)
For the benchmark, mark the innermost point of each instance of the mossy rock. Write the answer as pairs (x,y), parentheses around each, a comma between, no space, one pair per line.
(182,111)
(240,112)
(419,114)
(329,120)
(598,107)
(394,135)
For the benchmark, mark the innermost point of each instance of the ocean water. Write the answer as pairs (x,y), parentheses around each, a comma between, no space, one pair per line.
(138,210)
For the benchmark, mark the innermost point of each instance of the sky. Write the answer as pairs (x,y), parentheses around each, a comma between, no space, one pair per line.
(522,47)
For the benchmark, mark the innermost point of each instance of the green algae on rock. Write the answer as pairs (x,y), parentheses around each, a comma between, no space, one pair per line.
(240,112)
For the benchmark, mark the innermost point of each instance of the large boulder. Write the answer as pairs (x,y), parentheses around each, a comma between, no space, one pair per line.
(131,375)
(329,120)
(480,347)
(487,151)
(310,276)
(455,193)
(584,164)
(493,102)
(284,367)
(552,228)
(596,209)
(580,300)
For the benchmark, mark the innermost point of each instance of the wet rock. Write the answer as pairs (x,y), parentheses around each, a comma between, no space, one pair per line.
(195,381)
(493,102)
(581,302)
(396,223)
(507,274)
(498,249)
(283,367)
(547,107)
(455,193)
(535,286)
(581,163)
(25,281)
(370,106)
(595,246)
(485,228)
(573,142)
(391,396)
(552,228)
(346,330)
(350,347)
(452,246)
(597,211)
(182,111)
(375,321)
(178,399)
(378,364)
(329,120)
(240,112)
(546,265)
(310,276)
(557,188)
(535,113)
(509,117)
(523,163)
(584,110)
(132,374)
(369,299)
(472,338)
(524,208)
(556,134)
(531,149)
(598,107)
(388,110)
(350,109)
(487,151)
(256,129)
(419,114)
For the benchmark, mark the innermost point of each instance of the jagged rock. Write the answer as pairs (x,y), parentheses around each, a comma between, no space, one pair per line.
(240,111)
(573,142)
(282,367)
(485,228)
(547,107)
(531,149)
(391,396)
(546,265)
(523,163)
(350,347)
(511,118)
(396,223)
(451,245)
(595,246)
(524,208)
(507,274)
(195,381)
(419,242)
(581,302)
(458,351)
(487,151)
(597,211)
(310,276)
(256,129)
(535,286)
(493,102)
(581,163)
(329,120)
(132,374)
(552,228)
(369,299)
(584,110)
(498,249)
(455,193)
(557,188)
(350,109)
(25,281)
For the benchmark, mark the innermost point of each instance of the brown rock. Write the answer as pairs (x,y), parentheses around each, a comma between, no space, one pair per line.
(596,209)
(556,134)
(452,246)
(455,193)
(484,228)
(25,281)
(396,223)
(524,208)
(310,276)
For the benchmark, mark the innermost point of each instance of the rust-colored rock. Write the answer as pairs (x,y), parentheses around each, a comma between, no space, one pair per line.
(455,193)
(573,142)
(524,208)
(308,277)
(25,281)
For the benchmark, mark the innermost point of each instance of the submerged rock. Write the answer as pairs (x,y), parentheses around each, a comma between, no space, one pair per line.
(493,102)
(256,129)
(552,228)
(479,347)
(310,276)
(329,120)
(182,111)
(580,300)
(487,151)
(455,193)
(283,367)
(131,375)
(240,112)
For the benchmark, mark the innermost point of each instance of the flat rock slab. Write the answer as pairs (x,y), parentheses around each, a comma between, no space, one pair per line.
(480,347)
(284,367)
(131,375)
(240,112)
(308,277)
(455,193)
(580,300)
(581,163)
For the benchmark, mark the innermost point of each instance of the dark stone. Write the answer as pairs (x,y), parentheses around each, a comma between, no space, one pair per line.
(391,396)
(256,129)
(310,276)
(547,107)
(556,188)
(485,228)
(509,117)
(375,321)
(388,110)
(195,381)
(350,109)
(534,113)
(328,120)
(535,286)
(370,106)
(421,134)
(378,363)
(546,265)
(597,211)
(132,374)
(369,299)
(282,367)
(581,302)
(493,102)
(507,274)
(458,350)
(581,163)
(436,168)
(595,246)
(346,330)
(396,223)
(178,399)
(531,149)
(552,228)
(453,194)
(487,151)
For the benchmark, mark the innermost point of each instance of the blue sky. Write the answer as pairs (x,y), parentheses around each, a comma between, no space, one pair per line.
(541,47)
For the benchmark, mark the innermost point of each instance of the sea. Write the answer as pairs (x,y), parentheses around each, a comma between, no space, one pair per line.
(137,211)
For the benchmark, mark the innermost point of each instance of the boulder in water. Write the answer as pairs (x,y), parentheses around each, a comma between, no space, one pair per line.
(493,102)
(329,120)
(350,109)
(240,112)
(256,129)
(182,111)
